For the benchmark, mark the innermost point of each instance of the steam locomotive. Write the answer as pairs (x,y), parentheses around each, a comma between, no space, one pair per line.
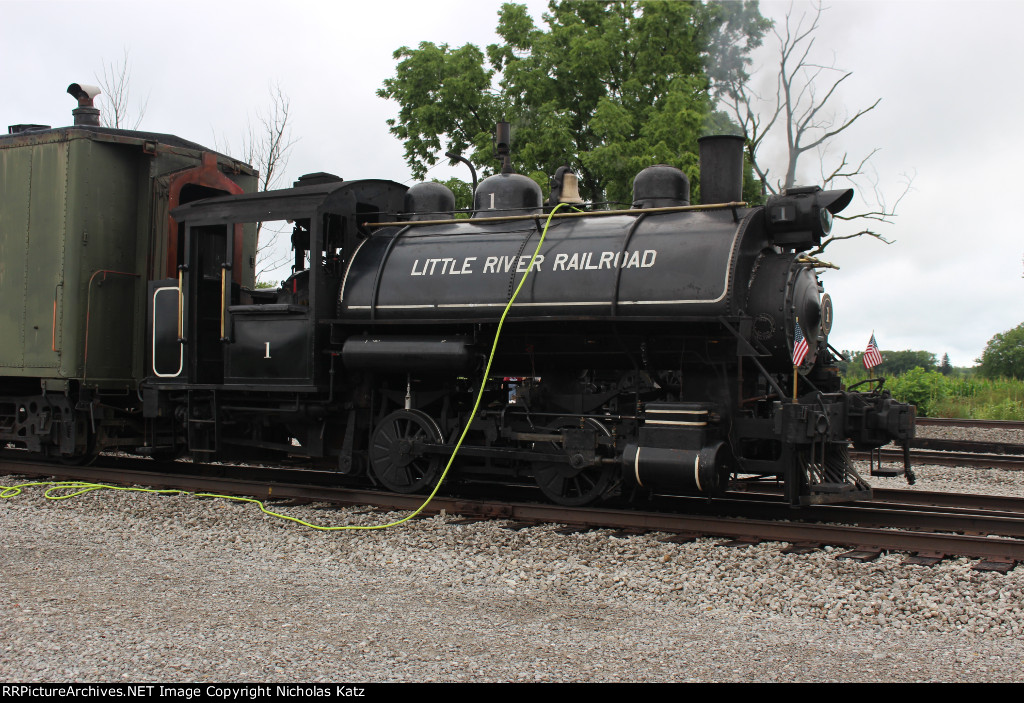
(649,350)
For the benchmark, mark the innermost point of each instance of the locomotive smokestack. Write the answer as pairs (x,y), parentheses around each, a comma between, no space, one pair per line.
(721,169)
(86,115)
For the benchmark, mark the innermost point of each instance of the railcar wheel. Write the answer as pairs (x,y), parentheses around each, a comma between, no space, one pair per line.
(394,462)
(573,486)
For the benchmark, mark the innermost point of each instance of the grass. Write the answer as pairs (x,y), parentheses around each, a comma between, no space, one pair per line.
(984,399)
(972,397)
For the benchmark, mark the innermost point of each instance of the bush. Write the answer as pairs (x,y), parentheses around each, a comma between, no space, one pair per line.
(963,387)
(965,396)
(921,388)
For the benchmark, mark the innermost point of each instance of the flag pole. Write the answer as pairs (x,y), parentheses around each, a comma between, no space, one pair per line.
(793,357)
(871,384)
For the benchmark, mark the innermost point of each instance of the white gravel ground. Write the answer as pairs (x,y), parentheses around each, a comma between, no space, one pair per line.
(117,586)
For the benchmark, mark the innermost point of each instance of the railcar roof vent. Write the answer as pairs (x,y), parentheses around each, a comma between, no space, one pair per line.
(661,186)
(23,128)
(86,115)
(315,179)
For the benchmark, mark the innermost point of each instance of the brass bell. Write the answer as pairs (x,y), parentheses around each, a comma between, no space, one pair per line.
(570,189)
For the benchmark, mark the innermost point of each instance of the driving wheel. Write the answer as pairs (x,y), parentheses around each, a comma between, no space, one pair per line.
(565,484)
(394,460)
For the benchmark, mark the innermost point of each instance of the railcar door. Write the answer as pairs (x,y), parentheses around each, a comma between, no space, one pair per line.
(187,315)
(208,285)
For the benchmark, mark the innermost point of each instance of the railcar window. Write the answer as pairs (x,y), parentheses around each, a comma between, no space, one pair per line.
(210,252)
(366,213)
(334,232)
(334,236)
(282,247)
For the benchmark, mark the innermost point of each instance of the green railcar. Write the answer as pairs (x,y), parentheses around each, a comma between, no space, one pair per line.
(84,224)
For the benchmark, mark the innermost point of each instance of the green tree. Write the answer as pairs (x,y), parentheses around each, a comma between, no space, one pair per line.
(609,87)
(893,363)
(463,193)
(896,362)
(1004,355)
(945,368)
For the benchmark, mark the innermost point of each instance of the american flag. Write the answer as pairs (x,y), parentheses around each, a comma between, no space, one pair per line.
(872,357)
(799,345)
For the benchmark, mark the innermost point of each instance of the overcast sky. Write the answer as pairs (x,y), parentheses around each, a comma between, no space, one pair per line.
(948,74)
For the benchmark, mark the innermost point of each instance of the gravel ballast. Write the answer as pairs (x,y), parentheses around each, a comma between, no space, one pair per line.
(124,586)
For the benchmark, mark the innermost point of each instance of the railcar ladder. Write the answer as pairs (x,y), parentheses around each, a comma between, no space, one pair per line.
(203,423)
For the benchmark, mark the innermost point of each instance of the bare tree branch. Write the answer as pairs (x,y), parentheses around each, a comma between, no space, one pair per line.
(837,237)
(266,146)
(754,127)
(839,173)
(269,143)
(808,122)
(115,85)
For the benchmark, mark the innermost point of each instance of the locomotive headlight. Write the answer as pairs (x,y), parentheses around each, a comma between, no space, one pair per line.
(825,220)
(802,216)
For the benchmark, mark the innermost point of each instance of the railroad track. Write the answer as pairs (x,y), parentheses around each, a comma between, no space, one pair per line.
(953,452)
(961,445)
(971,501)
(959,422)
(994,537)
(947,458)
(1011,506)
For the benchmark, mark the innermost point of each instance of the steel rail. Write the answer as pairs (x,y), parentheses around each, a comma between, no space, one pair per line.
(921,456)
(960,422)
(864,513)
(1004,504)
(747,530)
(1010,506)
(909,516)
(958,445)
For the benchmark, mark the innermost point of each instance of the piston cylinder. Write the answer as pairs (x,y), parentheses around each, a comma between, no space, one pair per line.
(691,470)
